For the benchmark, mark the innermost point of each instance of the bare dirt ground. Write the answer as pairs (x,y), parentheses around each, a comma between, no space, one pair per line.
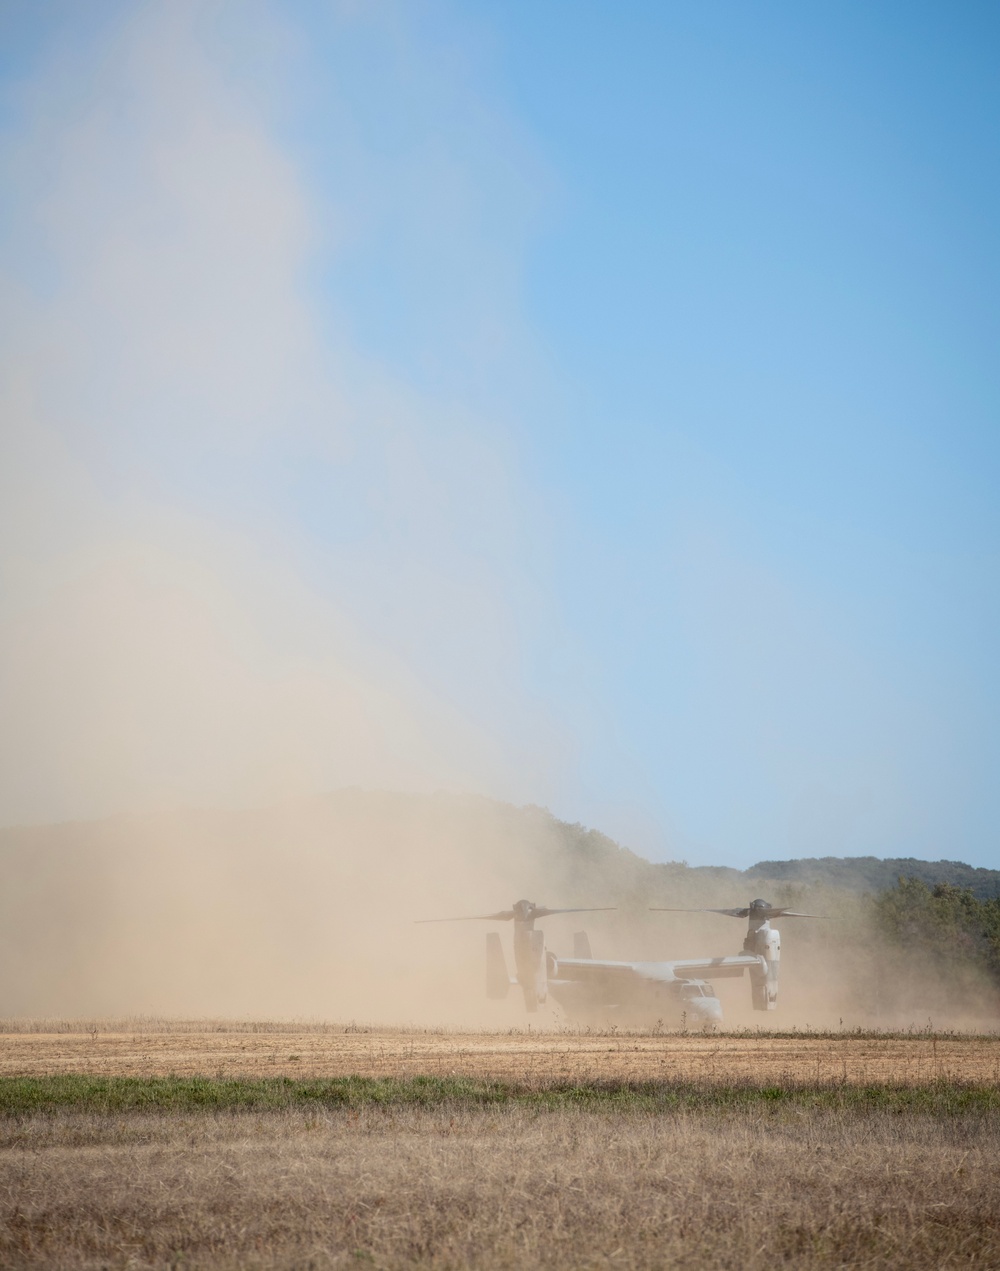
(220,1050)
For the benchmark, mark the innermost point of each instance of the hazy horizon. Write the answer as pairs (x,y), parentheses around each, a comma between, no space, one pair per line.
(458,797)
(316,908)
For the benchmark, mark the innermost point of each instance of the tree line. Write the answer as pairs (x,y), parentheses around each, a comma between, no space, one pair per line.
(947,923)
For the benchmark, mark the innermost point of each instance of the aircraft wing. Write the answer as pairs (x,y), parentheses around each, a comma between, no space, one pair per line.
(592,970)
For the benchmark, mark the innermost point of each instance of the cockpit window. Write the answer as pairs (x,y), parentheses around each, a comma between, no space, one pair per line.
(697,990)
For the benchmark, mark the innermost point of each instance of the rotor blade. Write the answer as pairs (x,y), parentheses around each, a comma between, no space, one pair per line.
(732,913)
(774,911)
(505,915)
(544,913)
(743,913)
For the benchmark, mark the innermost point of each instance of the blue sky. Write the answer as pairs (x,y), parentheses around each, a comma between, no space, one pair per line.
(619,380)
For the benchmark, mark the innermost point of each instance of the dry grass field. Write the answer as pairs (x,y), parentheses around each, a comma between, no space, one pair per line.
(154,1048)
(312,1146)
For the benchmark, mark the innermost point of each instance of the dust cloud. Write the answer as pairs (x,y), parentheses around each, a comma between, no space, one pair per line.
(306,909)
(239,563)
(239,560)
(309,909)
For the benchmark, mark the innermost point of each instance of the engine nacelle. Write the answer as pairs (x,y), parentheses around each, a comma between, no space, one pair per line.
(766,944)
(540,965)
(497,978)
(529,960)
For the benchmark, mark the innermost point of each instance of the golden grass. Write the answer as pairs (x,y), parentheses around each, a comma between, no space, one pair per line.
(499,1188)
(515,1183)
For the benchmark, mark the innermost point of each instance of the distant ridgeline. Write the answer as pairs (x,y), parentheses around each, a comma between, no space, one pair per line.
(844,873)
(868,873)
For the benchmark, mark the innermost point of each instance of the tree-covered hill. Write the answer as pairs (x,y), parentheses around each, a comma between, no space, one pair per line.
(591,849)
(948,924)
(871,874)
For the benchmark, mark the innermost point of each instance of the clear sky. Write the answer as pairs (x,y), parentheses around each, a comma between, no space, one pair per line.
(615,385)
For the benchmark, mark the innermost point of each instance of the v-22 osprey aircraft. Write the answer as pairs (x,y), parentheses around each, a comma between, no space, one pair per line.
(592,988)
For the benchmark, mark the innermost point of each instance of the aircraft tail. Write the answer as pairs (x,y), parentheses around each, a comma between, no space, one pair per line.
(581,945)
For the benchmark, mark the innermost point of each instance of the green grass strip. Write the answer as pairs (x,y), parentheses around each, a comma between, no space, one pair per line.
(21,1096)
